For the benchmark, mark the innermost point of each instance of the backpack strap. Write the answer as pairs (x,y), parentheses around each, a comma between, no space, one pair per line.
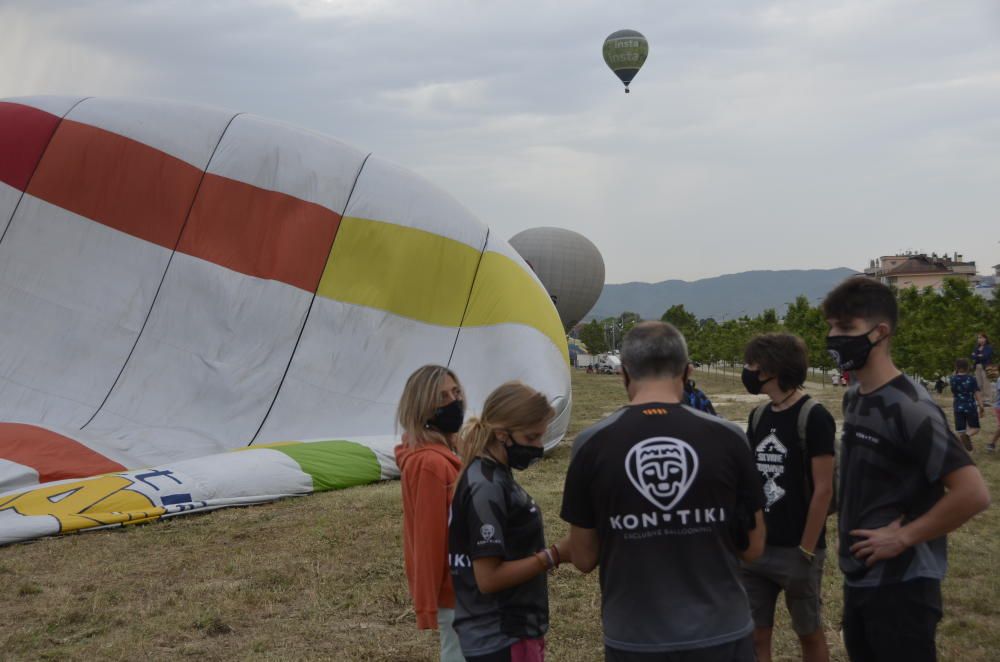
(758,413)
(803,423)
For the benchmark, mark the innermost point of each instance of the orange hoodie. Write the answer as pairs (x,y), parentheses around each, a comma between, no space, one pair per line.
(428,477)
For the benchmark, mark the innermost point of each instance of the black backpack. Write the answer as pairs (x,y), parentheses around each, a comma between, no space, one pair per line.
(801,425)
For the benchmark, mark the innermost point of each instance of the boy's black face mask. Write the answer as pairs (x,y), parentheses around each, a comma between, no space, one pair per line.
(851,352)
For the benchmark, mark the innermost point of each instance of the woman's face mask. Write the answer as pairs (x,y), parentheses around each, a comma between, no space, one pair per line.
(449,418)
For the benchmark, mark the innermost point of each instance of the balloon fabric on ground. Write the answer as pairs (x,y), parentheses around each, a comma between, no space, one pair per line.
(185,290)
(625,51)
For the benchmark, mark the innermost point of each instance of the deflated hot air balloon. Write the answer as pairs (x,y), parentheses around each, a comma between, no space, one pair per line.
(625,51)
(201,308)
(568,264)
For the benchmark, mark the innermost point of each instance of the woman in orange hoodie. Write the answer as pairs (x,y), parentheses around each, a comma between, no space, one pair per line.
(430,414)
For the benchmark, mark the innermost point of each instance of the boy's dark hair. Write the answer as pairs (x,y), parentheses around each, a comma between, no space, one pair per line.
(860,296)
(962,365)
(780,354)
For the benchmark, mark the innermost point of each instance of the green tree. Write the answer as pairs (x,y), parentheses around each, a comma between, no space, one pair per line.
(592,335)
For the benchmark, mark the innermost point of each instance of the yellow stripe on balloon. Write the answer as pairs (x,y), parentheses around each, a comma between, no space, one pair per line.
(409,272)
(505,293)
(426,277)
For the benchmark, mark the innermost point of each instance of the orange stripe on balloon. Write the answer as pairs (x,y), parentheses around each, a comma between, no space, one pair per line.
(52,455)
(116,181)
(260,233)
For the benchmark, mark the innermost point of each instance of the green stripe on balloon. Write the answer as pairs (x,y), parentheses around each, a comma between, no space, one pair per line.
(334,465)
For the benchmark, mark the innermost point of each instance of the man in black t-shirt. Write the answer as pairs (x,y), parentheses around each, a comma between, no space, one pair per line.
(904,484)
(792,438)
(665,499)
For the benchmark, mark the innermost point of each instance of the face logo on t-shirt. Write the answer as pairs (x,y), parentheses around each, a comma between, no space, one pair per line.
(662,469)
(486,532)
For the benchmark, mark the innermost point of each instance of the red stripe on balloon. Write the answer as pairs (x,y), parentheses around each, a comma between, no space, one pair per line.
(24,133)
(116,181)
(52,455)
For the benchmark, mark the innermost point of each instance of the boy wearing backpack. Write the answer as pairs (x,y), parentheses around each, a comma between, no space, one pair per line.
(792,438)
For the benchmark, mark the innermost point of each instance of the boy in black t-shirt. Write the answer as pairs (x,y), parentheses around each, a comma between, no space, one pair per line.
(665,499)
(904,484)
(792,438)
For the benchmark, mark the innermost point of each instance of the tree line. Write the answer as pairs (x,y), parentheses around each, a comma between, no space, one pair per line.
(935,328)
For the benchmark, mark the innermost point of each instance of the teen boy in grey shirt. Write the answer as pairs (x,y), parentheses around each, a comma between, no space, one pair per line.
(905,483)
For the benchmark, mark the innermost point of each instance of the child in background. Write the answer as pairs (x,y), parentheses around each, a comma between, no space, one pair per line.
(968,403)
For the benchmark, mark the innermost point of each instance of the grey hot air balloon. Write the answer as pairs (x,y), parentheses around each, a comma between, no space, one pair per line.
(569,266)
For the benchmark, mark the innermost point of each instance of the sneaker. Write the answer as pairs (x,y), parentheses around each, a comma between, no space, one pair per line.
(966,441)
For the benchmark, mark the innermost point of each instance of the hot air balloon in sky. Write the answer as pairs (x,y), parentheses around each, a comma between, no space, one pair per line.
(625,51)
(568,264)
(202,308)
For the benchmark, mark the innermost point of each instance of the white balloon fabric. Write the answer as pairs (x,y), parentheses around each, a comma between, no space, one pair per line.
(568,264)
(201,308)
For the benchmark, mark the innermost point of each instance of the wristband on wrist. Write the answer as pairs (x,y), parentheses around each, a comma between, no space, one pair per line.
(557,558)
(541,561)
(551,562)
(809,555)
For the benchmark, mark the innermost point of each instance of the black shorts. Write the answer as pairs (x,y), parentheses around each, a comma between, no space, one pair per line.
(966,420)
(740,650)
(892,622)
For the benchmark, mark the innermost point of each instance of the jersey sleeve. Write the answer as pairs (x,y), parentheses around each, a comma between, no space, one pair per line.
(821,430)
(485,518)
(931,441)
(577,506)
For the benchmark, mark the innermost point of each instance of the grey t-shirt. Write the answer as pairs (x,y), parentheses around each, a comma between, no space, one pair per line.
(669,490)
(896,448)
(491,515)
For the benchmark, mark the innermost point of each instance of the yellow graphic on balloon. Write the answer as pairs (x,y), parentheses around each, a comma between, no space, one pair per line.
(86,503)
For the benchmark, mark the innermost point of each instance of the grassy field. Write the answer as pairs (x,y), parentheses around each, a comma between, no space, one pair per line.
(321,577)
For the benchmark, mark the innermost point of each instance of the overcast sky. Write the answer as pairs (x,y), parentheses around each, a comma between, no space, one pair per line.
(759,135)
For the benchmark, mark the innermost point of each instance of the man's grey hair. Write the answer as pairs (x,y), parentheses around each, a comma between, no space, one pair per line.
(654,350)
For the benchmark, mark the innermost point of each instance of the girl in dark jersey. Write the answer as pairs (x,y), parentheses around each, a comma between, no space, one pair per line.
(496,538)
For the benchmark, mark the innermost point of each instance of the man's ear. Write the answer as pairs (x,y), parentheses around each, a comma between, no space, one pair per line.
(625,378)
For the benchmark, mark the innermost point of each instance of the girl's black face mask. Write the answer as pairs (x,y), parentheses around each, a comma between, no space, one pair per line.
(752,381)
(521,457)
(448,419)
(851,352)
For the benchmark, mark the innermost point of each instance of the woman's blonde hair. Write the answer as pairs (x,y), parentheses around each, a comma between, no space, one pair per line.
(419,402)
(511,407)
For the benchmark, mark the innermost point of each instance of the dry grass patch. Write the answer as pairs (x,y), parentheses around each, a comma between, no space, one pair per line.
(321,578)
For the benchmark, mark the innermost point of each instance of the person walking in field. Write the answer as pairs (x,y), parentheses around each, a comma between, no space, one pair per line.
(665,500)
(430,414)
(967,403)
(905,483)
(792,438)
(982,358)
(496,538)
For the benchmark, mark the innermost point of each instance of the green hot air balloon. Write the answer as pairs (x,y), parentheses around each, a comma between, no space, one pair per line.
(624,52)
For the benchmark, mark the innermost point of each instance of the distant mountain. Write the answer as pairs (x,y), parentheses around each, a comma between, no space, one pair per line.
(721,297)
